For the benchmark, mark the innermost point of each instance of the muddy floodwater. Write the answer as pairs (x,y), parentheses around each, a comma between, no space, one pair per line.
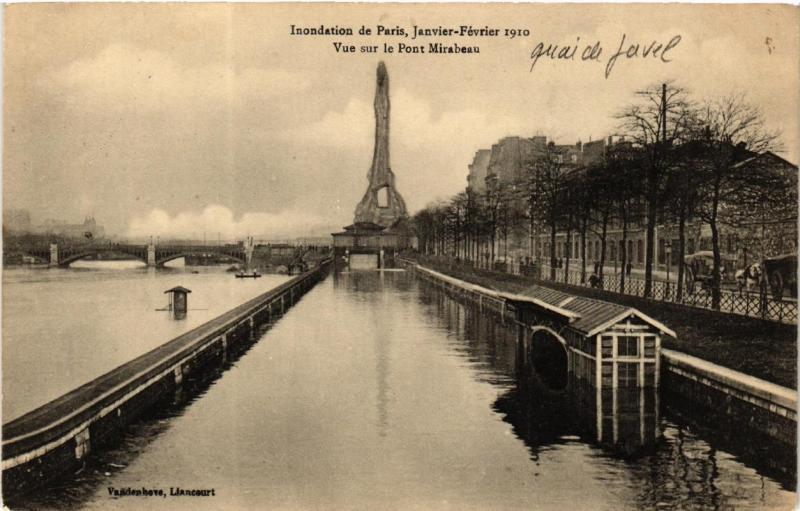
(376,391)
(64,327)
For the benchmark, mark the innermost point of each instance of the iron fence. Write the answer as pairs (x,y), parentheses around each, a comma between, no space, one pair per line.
(758,304)
(746,303)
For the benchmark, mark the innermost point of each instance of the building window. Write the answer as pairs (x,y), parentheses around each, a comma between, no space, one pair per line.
(675,256)
(627,346)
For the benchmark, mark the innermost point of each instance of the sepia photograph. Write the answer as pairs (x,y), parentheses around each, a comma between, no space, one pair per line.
(383,256)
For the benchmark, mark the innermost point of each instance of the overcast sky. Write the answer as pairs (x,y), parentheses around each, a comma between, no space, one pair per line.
(173,119)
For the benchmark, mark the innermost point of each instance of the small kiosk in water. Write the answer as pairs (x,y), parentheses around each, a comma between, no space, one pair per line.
(178,302)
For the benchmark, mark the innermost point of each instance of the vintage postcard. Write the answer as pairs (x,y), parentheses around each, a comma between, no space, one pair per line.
(400,256)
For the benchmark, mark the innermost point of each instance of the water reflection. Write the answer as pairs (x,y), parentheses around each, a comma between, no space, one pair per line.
(74,325)
(672,465)
(377,391)
(366,284)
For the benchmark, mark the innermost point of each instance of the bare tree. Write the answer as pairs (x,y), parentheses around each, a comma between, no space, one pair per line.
(599,180)
(656,123)
(732,132)
(623,167)
(545,186)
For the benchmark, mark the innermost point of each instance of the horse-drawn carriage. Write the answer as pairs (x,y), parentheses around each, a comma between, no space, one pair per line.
(780,272)
(699,268)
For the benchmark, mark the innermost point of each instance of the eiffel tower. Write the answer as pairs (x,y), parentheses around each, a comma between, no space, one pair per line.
(382,203)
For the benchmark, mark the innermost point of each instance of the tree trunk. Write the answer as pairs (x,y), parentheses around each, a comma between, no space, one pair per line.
(552,250)
(649,248)
(624,251)
(715,275)
(681,250)
(603,237)
(584,226)
(568,251)
(532,241)
(493,239)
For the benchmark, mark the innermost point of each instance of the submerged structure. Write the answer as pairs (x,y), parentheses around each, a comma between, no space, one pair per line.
(380,226)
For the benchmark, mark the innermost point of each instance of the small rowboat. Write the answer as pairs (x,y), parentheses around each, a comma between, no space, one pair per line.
(242,275)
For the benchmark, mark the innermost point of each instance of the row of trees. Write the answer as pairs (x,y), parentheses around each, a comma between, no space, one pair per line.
(680,161)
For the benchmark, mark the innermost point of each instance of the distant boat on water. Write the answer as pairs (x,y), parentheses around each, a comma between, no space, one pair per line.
(243,275)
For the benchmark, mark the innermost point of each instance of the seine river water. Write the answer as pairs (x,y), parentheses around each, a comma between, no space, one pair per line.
(375,391)
(64,327)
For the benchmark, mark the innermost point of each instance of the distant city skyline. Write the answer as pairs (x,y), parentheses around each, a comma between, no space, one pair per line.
(168,119)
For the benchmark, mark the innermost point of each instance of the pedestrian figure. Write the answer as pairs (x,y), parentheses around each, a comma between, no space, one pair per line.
(628,269)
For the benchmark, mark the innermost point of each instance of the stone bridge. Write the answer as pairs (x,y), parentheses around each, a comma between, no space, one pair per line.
(151,254)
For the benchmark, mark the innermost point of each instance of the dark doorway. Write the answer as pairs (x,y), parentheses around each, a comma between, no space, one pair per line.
(549,359)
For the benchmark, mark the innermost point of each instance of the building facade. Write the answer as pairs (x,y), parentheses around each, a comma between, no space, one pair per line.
(764,235)
(503,167)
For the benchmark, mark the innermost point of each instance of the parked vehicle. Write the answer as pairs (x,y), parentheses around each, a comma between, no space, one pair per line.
(699,267)
(781,275)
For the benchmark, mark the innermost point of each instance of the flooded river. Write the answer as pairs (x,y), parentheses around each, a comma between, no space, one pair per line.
(64,327)
(377,391)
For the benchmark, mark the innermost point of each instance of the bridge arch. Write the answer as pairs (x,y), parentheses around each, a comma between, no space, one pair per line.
(71,258)
(549,357)
(171,257)
(40,256)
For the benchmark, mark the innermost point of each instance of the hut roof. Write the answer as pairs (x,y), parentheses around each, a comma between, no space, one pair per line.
(586,315)
(178,289)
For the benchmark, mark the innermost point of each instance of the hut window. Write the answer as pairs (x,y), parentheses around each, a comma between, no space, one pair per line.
(649,346)
(607,346)
(608,375)
(627,346)
(627,373)
(649,375)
